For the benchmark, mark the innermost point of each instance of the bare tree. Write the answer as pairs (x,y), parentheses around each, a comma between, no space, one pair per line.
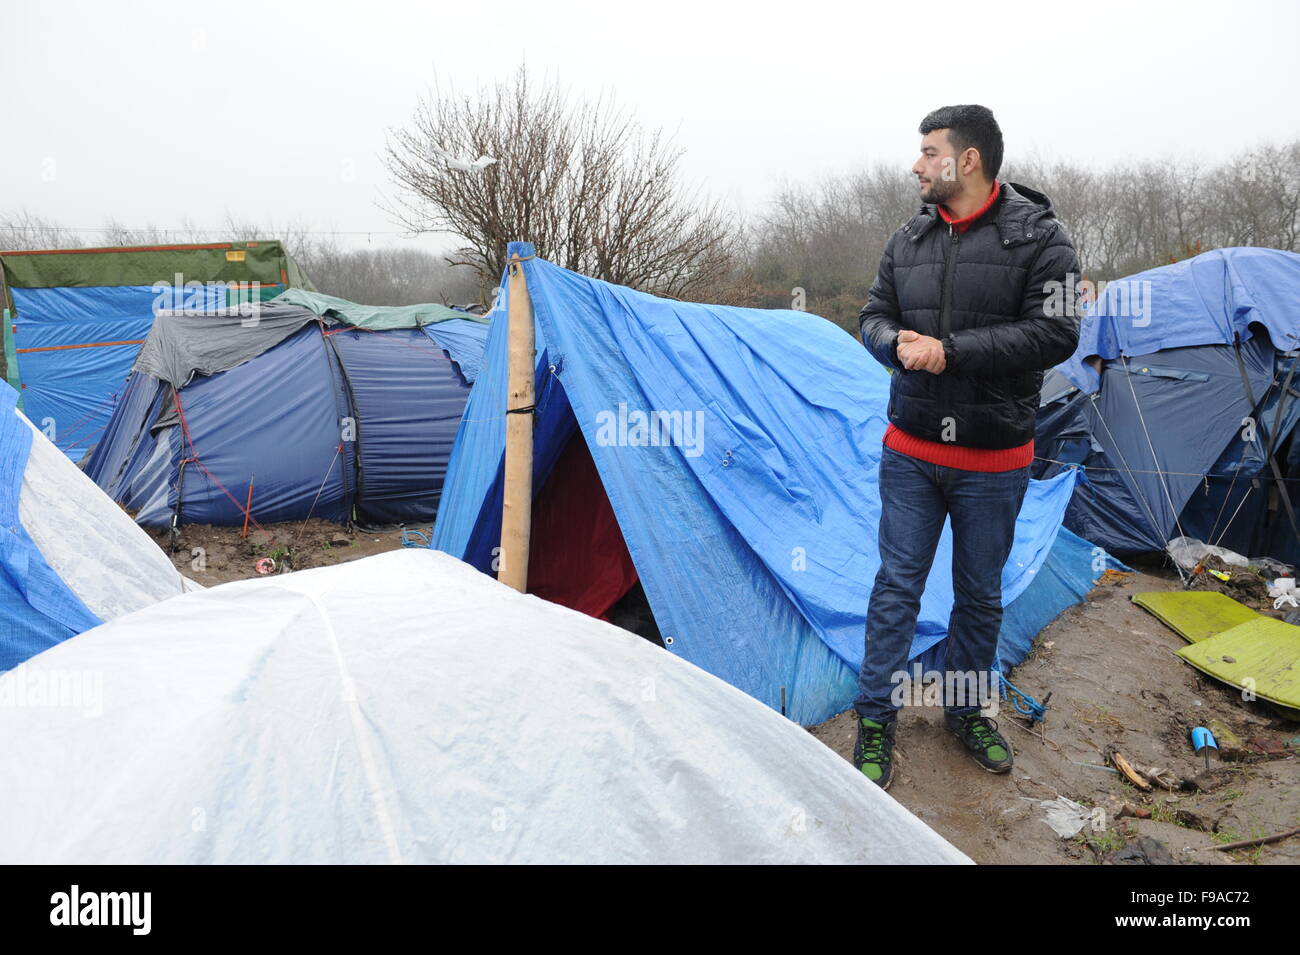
(21,230)
(591,189)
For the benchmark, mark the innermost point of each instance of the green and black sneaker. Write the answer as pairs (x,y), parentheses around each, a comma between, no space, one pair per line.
(873,753)
(981,738)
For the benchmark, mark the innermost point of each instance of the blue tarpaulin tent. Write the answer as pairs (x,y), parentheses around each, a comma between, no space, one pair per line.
(750,509)
(69,557)
(323,418)
(1183,386)
(37,609)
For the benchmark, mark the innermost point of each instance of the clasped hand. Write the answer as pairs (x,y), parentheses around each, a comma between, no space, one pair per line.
(919,352)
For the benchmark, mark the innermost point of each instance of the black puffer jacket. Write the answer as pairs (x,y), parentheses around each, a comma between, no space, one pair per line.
(991,295)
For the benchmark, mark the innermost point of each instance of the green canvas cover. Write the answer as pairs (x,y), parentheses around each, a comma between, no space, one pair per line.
(373,317)
(263,261)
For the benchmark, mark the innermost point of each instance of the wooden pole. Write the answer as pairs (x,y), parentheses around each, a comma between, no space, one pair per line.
(517,507)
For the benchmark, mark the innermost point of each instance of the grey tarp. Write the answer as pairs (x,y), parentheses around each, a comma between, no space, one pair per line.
(182,346)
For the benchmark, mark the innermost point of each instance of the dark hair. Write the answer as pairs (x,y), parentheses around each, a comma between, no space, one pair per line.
(970,126)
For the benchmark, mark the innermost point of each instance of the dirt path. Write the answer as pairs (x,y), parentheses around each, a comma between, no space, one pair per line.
(1114,678)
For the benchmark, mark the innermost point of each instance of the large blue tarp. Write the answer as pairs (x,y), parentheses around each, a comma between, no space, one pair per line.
(75,349)
(753,527)
(37,610)
(463,340)
(1211,299)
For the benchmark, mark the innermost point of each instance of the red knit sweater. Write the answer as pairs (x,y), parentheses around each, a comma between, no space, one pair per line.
(954,455)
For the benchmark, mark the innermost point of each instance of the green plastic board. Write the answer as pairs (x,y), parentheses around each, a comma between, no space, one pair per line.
(1262,655)
(1195,614)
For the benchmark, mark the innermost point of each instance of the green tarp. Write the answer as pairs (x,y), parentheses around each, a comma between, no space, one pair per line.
(263,261)
(374,317)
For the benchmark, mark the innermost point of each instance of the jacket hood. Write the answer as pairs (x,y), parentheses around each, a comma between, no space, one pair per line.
(1016,213)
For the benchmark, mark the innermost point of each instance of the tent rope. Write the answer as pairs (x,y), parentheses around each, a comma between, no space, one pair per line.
(98,405)
(328,471)
(1124,461)
(1090,467)
(1237,511)
(1226,497)
(194,456)
(1268,453)
(1164,485)
(1137,487)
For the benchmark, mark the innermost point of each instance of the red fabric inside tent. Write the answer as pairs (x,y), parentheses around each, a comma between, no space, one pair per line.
(577,555)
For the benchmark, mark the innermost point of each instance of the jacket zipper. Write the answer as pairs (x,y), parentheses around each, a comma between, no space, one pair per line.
(945,306)
(945,298)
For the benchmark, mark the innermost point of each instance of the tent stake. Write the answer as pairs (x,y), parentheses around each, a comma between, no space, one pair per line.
(248,508)
(517,504)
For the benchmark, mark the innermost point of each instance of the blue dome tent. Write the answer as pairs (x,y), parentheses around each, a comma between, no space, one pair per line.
(753,530)
(326,408)
(1180,405)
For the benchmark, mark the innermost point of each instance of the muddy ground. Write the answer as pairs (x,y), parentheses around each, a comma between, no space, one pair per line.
(217,555)
(1114,679)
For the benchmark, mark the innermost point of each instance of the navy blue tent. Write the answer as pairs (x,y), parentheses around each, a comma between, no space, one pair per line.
(724,459)
(1181,406)
(325,418)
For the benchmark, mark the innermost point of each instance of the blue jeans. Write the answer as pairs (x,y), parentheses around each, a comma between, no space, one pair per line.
(915,497)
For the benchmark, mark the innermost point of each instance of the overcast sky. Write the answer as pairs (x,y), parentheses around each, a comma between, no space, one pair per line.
(150,112)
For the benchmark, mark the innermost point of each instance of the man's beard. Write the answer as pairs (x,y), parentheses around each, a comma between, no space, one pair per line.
(940,191)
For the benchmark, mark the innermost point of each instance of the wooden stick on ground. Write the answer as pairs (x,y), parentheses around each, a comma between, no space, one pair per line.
(1261,841)
(1124,766)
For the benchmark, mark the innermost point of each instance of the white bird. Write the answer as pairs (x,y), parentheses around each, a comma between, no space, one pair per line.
(464,165)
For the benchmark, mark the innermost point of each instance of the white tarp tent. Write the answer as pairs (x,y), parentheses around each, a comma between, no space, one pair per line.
(406,708)
(70,559)
(101,554)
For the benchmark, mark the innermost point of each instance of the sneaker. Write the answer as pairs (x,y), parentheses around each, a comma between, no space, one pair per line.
(873,753)
(980,736)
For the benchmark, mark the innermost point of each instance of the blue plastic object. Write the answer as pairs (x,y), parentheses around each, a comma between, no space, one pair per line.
(1203,741)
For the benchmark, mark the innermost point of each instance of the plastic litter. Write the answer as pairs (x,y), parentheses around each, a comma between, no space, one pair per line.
(1066,817)
(1187,552)
(1284,593)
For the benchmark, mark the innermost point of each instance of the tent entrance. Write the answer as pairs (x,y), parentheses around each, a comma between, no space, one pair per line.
(578,557)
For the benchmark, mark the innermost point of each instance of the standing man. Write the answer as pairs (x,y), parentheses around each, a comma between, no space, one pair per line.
(967,310)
